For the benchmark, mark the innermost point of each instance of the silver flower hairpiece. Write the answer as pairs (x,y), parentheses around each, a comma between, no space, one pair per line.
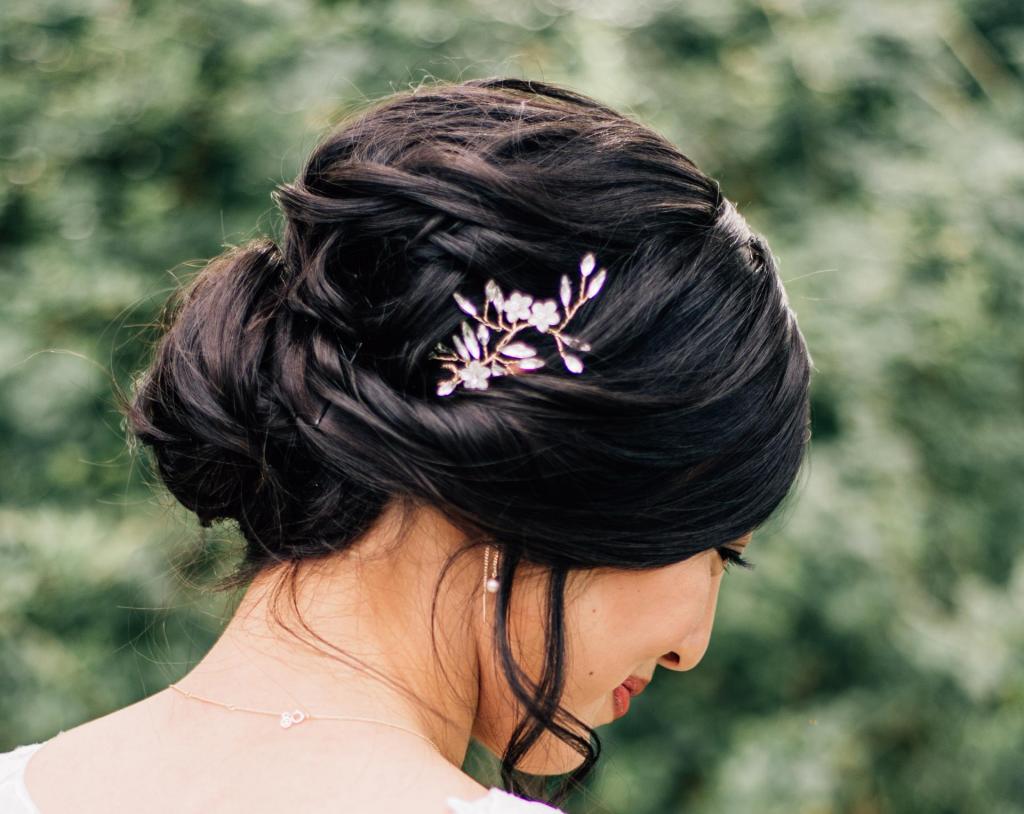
(473,363)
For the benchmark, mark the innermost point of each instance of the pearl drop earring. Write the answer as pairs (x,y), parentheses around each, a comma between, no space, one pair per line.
(491,583)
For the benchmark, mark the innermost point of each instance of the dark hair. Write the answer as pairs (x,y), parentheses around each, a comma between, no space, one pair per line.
(293,391)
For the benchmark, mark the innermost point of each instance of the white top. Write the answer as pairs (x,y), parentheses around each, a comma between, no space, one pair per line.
(15,799)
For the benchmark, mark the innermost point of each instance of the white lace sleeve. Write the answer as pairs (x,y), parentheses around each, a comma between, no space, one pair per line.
(498,801)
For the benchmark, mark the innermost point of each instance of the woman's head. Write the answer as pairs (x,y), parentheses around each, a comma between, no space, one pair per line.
(294,390)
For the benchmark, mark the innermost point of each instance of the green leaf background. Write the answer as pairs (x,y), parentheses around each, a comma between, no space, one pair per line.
(874,661)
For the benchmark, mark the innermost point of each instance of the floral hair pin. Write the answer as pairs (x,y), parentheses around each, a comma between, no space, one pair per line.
(473,362)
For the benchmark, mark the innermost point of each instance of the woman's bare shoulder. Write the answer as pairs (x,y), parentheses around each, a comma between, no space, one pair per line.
(117,754)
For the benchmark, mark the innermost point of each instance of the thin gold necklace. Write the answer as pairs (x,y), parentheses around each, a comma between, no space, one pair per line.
(297,716)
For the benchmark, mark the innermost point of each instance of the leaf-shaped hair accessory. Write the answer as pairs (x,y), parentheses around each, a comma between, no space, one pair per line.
(473,361)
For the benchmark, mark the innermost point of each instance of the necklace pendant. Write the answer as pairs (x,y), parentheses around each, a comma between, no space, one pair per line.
(296,716)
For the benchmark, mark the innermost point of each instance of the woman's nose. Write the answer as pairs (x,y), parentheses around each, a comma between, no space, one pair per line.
(691,649)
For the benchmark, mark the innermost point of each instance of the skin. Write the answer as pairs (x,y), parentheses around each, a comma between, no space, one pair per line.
(374,603)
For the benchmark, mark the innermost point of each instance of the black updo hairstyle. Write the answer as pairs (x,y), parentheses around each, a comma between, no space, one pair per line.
(293,392)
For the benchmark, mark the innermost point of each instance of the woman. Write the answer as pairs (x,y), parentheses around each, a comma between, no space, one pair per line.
(514,389)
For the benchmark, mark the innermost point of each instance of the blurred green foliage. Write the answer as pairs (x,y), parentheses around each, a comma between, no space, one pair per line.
(874,660)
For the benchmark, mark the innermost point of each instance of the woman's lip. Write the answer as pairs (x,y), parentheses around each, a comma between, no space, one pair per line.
(621,695)
(635,684)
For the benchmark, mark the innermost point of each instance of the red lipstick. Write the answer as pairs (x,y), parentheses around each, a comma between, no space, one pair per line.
(633,685)
(621,701)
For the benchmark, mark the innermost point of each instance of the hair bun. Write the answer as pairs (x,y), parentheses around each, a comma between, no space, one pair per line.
(205,404)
